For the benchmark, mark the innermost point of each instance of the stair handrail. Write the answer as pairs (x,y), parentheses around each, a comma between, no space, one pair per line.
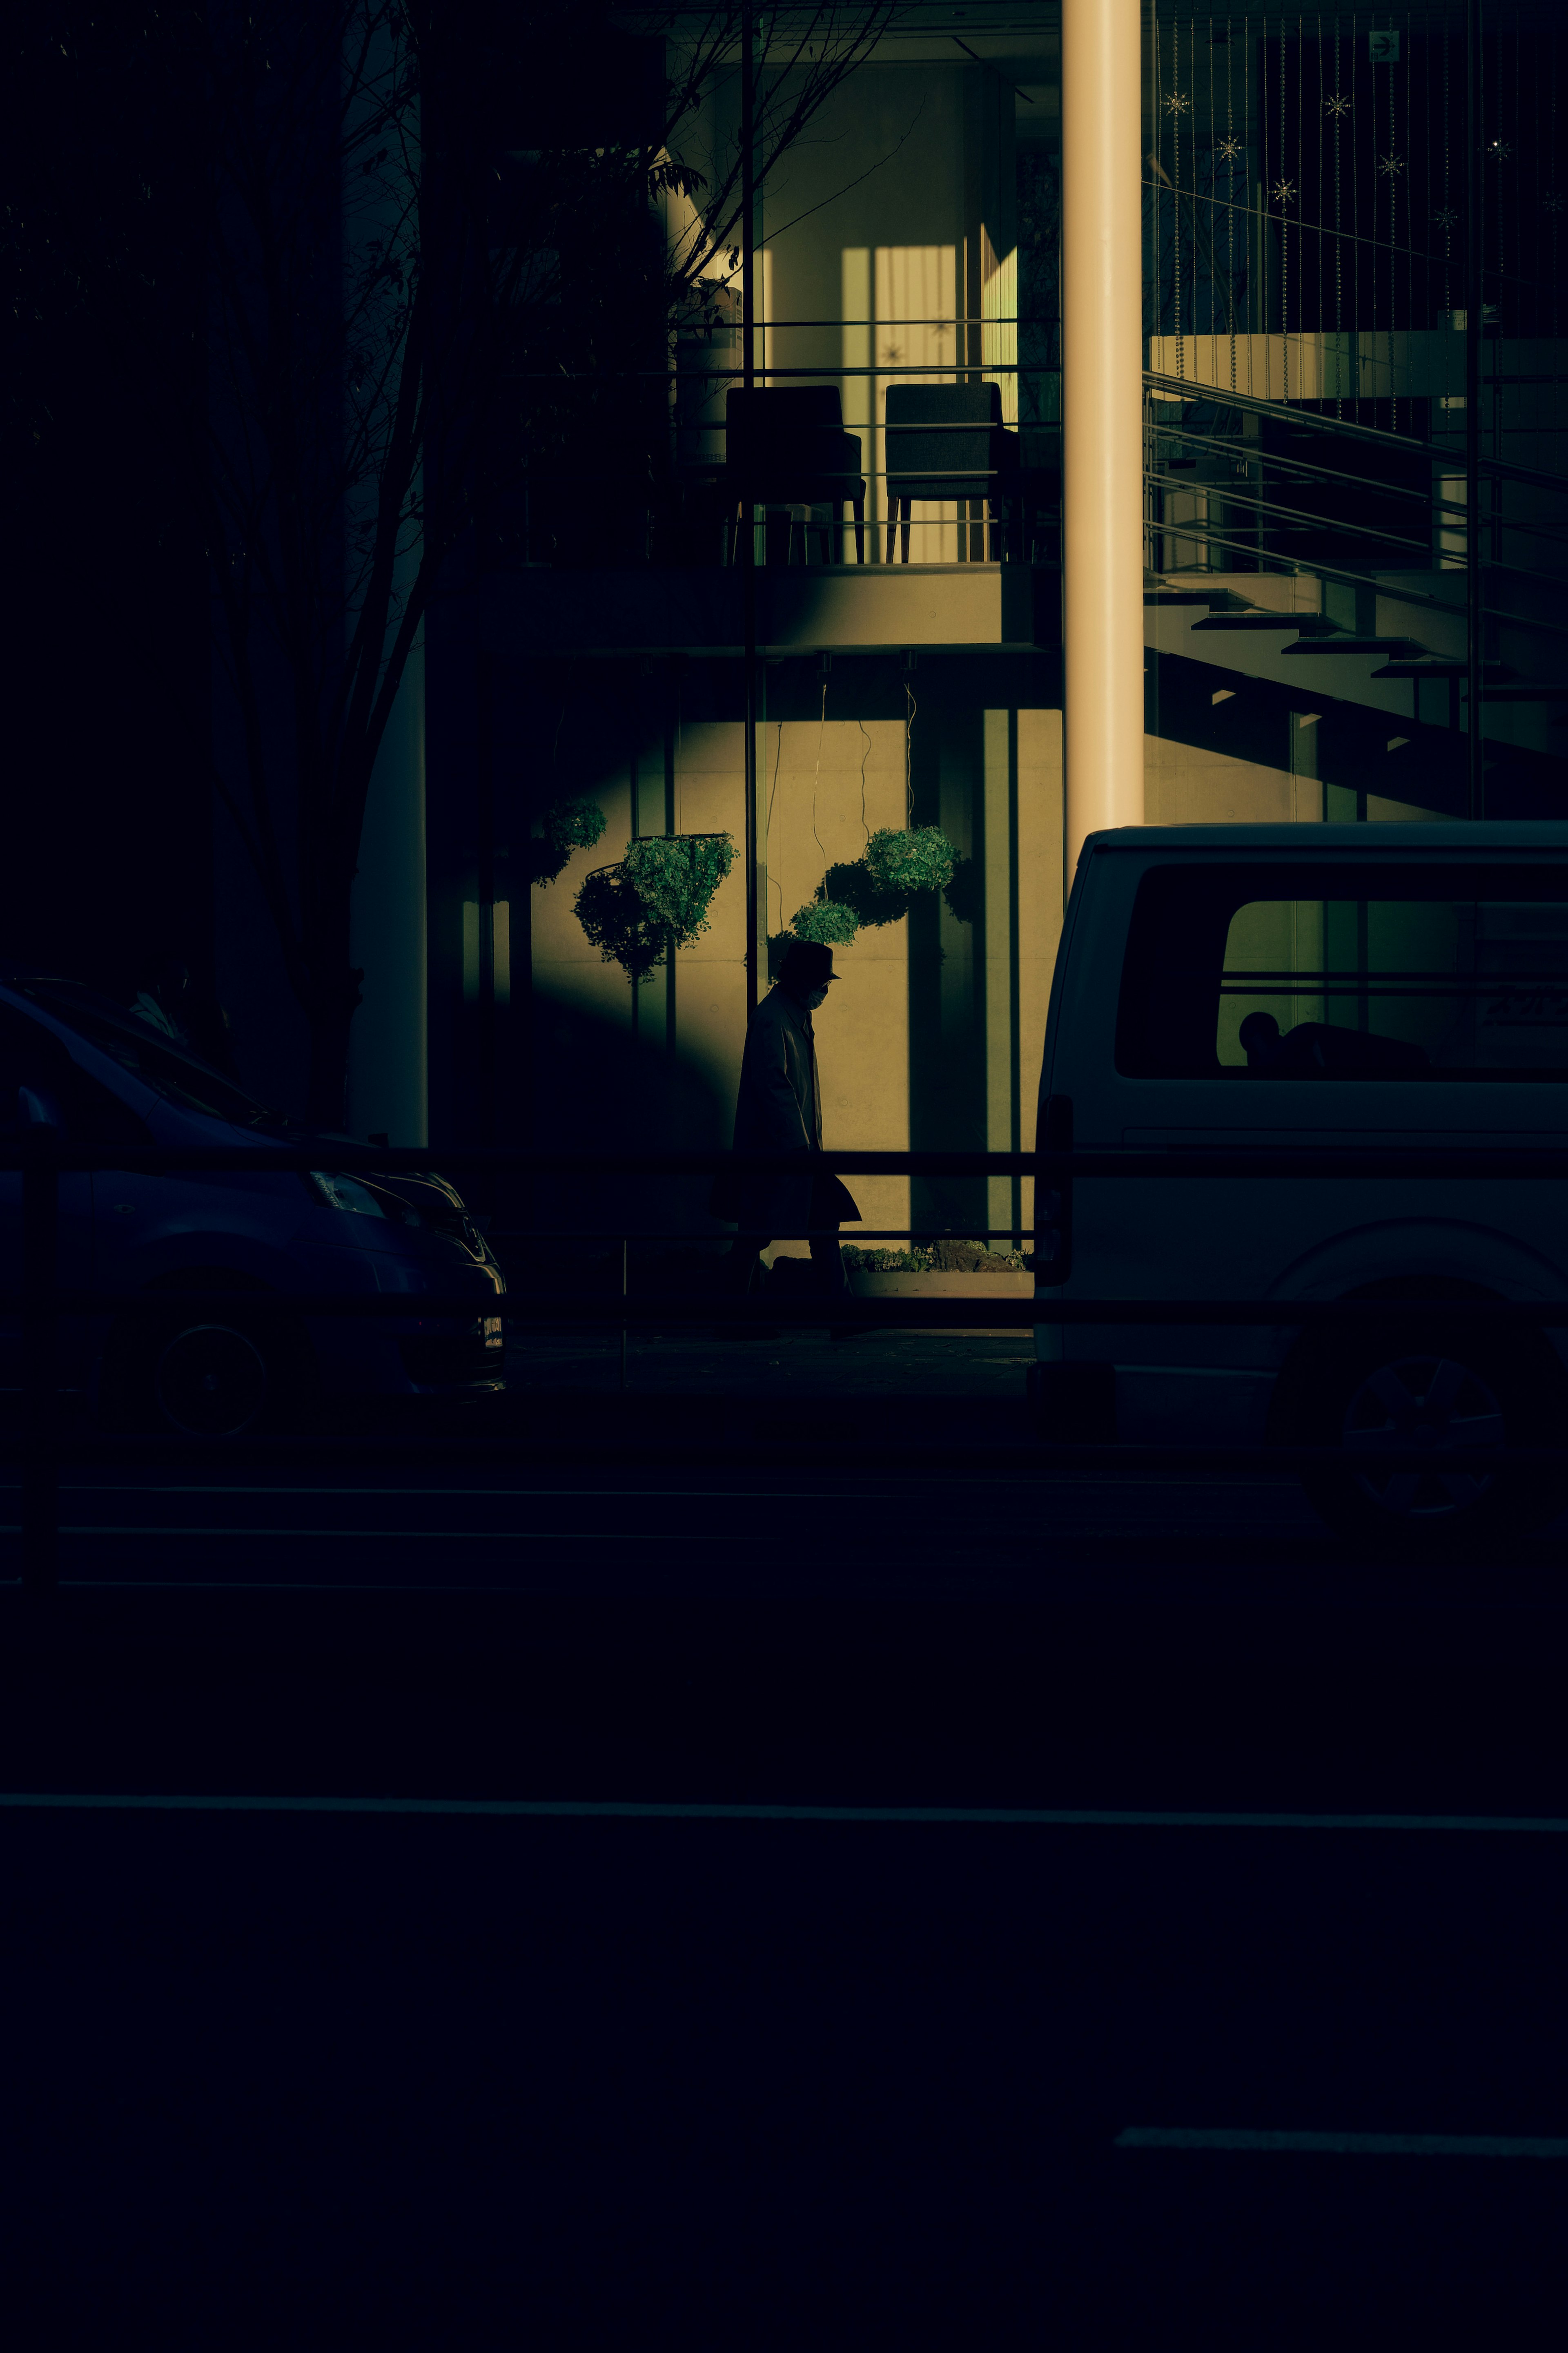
(1217,395)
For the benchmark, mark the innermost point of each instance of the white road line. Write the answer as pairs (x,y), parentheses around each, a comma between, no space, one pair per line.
(728,1495)
(420,1535)
(1338,2143)
(656,1809)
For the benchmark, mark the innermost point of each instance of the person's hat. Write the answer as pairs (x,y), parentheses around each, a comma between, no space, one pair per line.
(807,964)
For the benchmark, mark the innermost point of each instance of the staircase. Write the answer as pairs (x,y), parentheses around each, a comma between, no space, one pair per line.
(1296,558)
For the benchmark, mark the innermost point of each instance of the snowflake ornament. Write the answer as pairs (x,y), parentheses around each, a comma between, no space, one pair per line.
(1446,216)
(1553,203)
(1282,191)
(1391,166)
(1177,104)
(1499,148)
(1228,150)
(1337,107)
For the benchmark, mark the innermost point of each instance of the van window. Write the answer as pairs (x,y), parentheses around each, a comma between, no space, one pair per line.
(1374,973)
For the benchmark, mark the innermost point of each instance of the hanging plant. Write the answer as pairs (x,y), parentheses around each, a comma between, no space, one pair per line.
(877,888)
(675,875)
(920,857)
(827,922)
(569,824)
(852,884)
(659,892)
(615,918)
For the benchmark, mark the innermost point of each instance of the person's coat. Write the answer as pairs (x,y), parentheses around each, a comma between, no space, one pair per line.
(778,1109)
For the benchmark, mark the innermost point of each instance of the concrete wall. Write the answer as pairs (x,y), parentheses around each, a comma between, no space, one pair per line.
(934,1036)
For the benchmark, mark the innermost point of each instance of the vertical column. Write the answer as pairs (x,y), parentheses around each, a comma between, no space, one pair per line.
(756,849)
(1475,325)
(999,841)
(858,396)
(1102,406)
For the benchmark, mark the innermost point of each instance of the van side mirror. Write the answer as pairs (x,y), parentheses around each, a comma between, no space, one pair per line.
(36,1108)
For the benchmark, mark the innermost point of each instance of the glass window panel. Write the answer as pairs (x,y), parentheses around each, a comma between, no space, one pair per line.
(1403,979)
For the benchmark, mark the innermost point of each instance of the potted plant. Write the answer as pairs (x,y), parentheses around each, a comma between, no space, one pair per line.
(657,897)
(880,886)
(946,1268)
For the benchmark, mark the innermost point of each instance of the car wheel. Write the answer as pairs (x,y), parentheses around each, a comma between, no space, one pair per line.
(1429,1392)
(203,1375)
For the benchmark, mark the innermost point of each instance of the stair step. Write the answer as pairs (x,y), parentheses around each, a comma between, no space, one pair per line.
(1310,625)
(1221,599)
(1394,647)
(1433,666)
(1528,690)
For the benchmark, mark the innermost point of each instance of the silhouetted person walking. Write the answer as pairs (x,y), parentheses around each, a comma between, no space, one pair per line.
(779,1109)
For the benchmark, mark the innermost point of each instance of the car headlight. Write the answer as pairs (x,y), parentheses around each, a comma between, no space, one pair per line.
(339,1192)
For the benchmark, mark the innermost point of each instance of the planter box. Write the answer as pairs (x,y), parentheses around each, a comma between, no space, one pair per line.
(1007,1282)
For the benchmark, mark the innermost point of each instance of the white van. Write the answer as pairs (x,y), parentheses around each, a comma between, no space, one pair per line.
(1310,989)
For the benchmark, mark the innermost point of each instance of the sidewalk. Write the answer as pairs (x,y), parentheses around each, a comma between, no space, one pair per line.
(887,1387)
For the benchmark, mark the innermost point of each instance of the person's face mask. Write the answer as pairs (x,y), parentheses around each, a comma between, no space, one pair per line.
(818,997)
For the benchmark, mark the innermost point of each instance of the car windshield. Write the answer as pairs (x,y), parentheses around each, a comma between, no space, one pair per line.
(180,1078)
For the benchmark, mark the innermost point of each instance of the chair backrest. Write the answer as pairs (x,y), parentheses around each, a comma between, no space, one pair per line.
(944,404)
(777,410)
(937,431)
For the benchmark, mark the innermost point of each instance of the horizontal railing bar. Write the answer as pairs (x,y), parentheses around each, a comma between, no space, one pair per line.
(851,1237)
(1229,495)
(1219,396)
(587,1307)
(1337,972)
(1404,990)
(1129,1163)
(1257,459)
(432,1445)
(343,1156)
(933,371)
(956,319)
(1253,454)
(1313,568)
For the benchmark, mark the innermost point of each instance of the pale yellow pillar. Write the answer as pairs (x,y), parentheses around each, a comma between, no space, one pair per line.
(1102,406)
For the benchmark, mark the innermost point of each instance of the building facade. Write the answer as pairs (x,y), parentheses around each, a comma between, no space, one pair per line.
(1351,477)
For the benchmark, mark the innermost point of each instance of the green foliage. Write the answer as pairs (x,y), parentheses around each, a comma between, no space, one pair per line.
(569,824)
(660,891)
(852,884)
(887,1262)
(614,916)
(920,857)
(576,824)
(878,889)
(676,876)
(926,1259)
(834,926)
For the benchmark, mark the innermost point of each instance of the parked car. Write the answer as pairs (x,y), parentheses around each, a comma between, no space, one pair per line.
(73,1060)
(1248,988)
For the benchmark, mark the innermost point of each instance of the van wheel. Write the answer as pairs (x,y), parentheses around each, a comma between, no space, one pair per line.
(1429,1391)
(206,1376)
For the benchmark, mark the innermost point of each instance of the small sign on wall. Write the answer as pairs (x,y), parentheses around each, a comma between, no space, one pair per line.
(1383,49)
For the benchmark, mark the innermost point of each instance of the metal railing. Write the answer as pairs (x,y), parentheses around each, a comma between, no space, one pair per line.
(43,1443)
